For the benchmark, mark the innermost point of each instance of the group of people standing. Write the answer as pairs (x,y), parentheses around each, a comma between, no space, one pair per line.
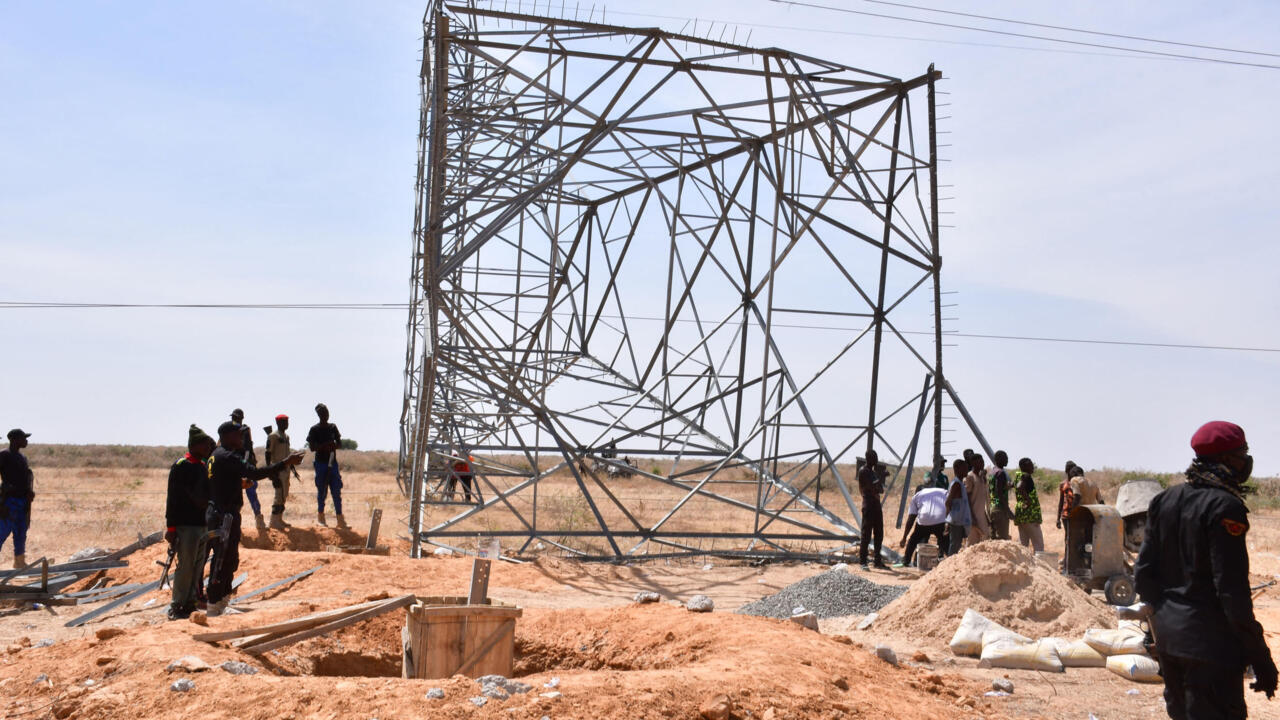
(975,504)
(207,488)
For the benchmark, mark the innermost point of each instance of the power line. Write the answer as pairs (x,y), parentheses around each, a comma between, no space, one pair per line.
(1071,29)
(853,33)
(1010,33)
(13,305)
(18,305)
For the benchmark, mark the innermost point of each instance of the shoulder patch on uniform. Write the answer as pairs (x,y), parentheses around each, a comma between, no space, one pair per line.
(1234,528)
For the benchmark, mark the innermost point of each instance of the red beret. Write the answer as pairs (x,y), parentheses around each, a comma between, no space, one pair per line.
(1217,437)
(282,416)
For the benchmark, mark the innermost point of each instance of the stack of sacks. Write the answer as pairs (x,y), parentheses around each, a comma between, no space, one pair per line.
(998,646)
(1119,650)
(1125,653)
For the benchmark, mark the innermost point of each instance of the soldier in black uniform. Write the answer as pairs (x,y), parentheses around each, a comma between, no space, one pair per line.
(1193,569)
(184,517)
(251,459)
(228,475)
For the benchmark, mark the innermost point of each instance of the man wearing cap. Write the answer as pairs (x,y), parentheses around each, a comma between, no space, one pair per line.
(184,519)
(324,439)
(17,490)
(250,459)
(1193,569)
(228,475)
(278,447)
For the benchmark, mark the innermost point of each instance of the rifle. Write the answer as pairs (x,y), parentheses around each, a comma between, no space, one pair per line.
(168,563)
(1142,613)
(222,534)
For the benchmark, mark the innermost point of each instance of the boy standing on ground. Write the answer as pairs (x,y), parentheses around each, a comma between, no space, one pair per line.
(324,439)
(1067,501)
(975,485)
(17,490)
(1000,512)
(1026,513)
(958,509)
(184,519)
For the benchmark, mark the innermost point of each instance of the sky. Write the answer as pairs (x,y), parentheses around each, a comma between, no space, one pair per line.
(265,152)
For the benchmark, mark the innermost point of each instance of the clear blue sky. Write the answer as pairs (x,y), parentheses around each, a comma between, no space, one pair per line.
(265,152)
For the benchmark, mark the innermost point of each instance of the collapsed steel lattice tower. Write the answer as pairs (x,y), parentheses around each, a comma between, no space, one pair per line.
(630,243)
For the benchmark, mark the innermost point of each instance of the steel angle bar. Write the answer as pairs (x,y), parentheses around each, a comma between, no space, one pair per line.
(274,585)
(501,165)
(98,612)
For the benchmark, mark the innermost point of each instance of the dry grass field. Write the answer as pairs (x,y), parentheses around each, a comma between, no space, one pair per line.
(611,657)
(106,495)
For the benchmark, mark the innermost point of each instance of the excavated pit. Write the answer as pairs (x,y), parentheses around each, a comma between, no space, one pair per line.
(545,643)
(367,649)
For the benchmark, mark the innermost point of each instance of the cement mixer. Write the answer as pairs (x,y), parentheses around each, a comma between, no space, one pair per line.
(1102,539)
(1095,553)
(1132,502)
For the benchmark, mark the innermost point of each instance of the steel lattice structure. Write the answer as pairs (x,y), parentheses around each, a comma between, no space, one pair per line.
(631,243)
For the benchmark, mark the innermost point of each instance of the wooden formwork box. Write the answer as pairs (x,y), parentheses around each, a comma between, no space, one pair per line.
(444,636)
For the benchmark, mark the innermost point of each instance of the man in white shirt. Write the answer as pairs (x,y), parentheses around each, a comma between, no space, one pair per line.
(927,513)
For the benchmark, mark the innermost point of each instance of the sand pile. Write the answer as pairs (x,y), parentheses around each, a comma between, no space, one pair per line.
(1003,581)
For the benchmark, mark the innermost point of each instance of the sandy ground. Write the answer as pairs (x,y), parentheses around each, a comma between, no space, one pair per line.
(613,658)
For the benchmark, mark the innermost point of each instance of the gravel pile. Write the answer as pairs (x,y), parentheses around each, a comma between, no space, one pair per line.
(834,593)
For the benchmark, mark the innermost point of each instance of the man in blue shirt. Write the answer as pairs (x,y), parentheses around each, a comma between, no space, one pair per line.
(17,490)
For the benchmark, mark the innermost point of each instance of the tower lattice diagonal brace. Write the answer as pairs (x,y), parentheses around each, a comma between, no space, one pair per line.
(666,290)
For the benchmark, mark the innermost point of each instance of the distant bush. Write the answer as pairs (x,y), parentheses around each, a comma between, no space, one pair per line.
(349,444)
(155,456)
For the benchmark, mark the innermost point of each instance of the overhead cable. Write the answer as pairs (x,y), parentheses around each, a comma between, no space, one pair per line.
(1010,33)
(18,305)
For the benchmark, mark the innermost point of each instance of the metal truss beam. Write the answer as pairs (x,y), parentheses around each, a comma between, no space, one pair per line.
(630,243)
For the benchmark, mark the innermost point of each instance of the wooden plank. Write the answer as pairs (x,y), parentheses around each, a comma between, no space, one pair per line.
(408,657)
(374,523)
(467,611)
(440,645)
(294,624)
(44,575)
(276,584)
(479,581)
(77,622)
(476,655)
(386,607)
